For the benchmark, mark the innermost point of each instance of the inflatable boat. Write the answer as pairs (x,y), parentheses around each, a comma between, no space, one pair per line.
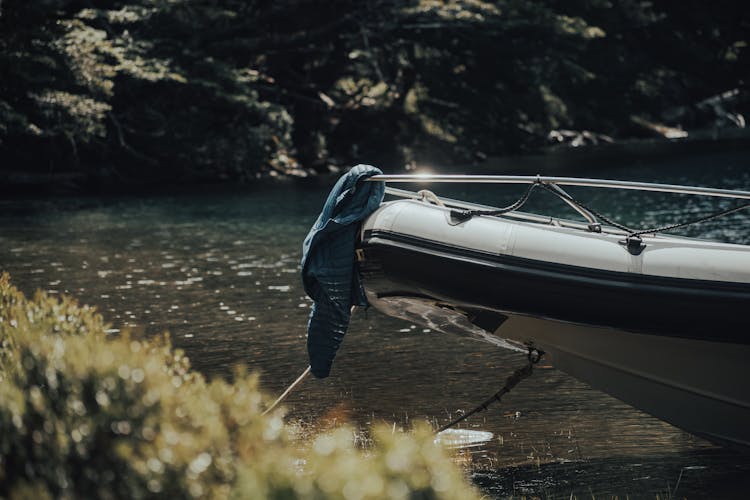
(658,321)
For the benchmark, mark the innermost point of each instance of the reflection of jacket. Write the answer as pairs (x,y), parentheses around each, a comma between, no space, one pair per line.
(328,272)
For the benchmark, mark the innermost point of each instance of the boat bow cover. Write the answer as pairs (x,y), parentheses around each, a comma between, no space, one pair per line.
(328,273)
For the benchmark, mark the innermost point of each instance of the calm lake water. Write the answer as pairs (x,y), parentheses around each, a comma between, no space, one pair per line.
(220,271)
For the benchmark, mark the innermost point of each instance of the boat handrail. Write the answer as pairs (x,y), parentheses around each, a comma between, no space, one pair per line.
(523,216)
(564,181)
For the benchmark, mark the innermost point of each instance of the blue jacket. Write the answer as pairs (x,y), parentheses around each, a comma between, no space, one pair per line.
(328,267)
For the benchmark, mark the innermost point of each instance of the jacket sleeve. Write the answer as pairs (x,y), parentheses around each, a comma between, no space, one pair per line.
(328,267)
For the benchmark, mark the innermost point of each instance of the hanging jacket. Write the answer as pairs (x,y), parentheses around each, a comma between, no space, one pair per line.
(328,266)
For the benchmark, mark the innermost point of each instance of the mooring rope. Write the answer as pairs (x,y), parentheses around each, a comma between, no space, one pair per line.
(289,390)
(297,382)
(534,356)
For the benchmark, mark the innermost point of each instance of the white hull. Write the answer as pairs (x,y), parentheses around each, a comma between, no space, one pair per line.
(696,385)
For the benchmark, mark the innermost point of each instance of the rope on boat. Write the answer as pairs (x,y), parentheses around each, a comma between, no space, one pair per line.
(598,215)
(633,234)
(705,218)
(533,358)
(464,215)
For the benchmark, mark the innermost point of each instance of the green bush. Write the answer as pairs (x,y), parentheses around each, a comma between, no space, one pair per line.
(83,414)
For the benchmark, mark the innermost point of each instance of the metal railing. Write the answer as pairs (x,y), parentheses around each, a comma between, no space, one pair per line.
(563,181)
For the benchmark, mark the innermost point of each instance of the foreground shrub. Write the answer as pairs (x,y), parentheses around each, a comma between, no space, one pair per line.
(86,415)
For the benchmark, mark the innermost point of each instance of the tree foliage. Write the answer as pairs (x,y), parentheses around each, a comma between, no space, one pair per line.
(170,90)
